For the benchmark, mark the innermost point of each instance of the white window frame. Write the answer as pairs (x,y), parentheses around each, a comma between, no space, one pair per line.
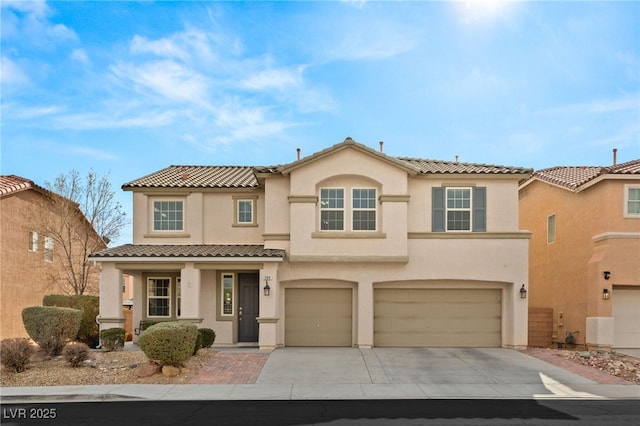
(178,297)
(153,215)
(551,228)
(627,190)
(49,246)
(448,209)
(332,209)
(167,297)
(33,241)
(223,287)
(373,209)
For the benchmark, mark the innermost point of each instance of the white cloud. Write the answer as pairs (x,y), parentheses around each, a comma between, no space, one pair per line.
(12,74)
(277,79)
(81,56)
(95,154)
(29,20)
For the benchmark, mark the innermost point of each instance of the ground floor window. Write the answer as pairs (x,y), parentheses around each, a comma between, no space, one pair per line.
(227,294)
(159,297)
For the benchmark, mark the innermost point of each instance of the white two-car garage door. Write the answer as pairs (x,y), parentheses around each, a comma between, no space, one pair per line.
(318,317)
(437,317)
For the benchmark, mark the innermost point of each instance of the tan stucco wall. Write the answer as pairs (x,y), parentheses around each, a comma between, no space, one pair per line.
(25,277)
(567,275)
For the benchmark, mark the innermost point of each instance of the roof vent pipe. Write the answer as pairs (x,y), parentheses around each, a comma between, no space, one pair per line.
(298,151)
(381,144)
(615,156)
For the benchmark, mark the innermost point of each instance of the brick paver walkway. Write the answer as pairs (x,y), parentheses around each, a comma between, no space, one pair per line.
(231,368)
(590,373)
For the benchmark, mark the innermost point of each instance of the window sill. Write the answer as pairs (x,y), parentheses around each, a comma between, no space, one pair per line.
(167,235)
(245,225)
(349,235)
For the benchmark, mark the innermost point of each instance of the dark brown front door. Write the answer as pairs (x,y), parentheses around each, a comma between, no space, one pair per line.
(248,307)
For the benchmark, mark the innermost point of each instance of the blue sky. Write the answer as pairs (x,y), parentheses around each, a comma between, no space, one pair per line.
(127,88)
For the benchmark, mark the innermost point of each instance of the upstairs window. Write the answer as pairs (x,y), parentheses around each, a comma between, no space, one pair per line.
(458,209)
(168,216)
(632,201)
(364,209)
(33,241)
(332,209)
(245,211)
(48,249)
(551,229)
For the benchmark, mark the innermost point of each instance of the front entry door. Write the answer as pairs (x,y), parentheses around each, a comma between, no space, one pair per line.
(248,307)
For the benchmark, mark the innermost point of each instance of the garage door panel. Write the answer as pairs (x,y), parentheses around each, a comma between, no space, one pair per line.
(626,317)
(438,317)
(318,317)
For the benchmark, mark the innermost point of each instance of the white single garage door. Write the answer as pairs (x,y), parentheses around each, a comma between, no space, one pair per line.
(318,317)
(626,318)
(438,317)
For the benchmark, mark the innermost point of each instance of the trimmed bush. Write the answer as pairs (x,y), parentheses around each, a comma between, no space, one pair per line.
(90,307)
(75,353)
(144,324)
(208,337)
(51,327)
(198,344)
(169,343)
(112,339)
(15,353)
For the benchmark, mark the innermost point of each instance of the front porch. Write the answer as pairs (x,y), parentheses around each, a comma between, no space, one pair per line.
(214,286)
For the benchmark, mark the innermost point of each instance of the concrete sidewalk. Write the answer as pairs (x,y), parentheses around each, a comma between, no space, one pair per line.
(379,373)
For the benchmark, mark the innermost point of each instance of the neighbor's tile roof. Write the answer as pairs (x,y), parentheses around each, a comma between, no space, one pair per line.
(12,183)
(198,177)
(574,177)
(189,250)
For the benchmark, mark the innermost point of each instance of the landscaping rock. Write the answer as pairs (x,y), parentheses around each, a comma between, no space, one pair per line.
(148,369)
(170,370)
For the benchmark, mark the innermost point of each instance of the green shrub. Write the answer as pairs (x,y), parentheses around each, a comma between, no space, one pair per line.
(51,327)
(90,307)
(112,339)
(15,353)
(144,324)
(198,344)
(75,353)
(208,337)
(169,343)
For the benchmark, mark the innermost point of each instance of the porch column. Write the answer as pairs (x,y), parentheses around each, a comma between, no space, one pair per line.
(365,315)
(111,315)
(190,294)
(268,319)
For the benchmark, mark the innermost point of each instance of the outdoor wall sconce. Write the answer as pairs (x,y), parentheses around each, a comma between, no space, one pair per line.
(605,294)
(267,289)
(523,292)
(607,274)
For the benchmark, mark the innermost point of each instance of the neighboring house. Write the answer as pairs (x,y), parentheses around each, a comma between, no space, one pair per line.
(584,257)
(29,266)
(346,247)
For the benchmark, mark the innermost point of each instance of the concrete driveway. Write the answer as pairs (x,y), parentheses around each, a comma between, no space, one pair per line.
(425,372)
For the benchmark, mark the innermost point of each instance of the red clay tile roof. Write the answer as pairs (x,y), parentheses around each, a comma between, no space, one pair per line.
(189,250)
(575,177)
(12,183)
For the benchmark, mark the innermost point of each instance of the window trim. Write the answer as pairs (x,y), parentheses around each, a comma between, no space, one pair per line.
(627,189)
(49,247)
(153,219)
(33,241)
(222,294)
(367,209)
(330,209)
(168,297)
(236,211)
(552,229)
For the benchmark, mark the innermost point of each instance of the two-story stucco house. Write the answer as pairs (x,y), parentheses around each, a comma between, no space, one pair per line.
(585,251)
(345,247)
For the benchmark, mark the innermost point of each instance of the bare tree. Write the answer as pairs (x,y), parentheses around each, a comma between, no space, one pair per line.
(78,216)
